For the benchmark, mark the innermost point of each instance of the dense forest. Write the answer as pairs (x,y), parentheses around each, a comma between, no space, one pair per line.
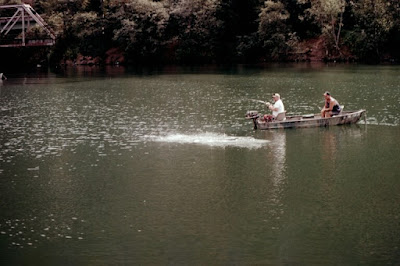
(219,31)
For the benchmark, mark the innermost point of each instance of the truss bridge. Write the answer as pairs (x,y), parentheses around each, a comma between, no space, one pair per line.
(16,27)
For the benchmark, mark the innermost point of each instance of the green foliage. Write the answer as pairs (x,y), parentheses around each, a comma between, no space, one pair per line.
(56,22)
(237,38)
(8,12)
(328,15)
(273,30)
(248,47)
(142,28)
(69,6)
(36,32)
(10,2)
(375,19)
(87,28)
(196,31)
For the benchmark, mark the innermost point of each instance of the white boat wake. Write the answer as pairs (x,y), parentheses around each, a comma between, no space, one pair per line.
(212,139)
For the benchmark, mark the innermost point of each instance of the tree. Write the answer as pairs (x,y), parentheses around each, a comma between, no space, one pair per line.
(301,25)
(194,29)
(393,42)
(328,14)
(273,30)
(142,28)
(375,19)
(237,36)
(10,2)
(87,28)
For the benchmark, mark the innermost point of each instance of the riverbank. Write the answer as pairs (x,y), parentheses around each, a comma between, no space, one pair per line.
(313,50)
(316,50)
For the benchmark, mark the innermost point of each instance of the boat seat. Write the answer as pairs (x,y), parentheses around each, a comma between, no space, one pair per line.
(281,116)
(308,116)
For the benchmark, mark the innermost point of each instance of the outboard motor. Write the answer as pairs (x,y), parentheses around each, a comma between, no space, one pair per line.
(253,115)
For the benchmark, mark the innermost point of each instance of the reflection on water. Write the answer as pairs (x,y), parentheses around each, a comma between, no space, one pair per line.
(276,162)
(329,149)
(278,153)
(146,168)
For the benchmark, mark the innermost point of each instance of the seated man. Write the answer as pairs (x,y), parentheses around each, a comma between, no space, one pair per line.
(276,108)
(332,106)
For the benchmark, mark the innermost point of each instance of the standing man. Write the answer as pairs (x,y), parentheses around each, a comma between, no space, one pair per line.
(332,106)
(276,108)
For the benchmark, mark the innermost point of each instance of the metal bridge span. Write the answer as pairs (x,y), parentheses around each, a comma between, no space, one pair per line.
(14,29)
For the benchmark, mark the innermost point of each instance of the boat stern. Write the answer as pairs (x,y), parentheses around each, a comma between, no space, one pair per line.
(254,116)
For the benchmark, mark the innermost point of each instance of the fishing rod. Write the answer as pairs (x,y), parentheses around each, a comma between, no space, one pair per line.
(255,100)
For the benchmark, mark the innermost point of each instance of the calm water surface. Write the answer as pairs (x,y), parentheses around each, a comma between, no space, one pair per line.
(158,167)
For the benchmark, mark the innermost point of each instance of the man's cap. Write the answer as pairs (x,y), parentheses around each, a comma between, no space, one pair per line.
(327,93)
(276,95)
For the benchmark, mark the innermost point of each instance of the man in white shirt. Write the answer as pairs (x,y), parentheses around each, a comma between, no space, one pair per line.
(276,108)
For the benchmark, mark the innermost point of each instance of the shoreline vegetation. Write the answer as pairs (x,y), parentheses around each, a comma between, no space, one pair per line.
(142,32)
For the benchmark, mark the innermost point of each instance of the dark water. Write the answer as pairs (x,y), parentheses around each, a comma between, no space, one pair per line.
(160,167)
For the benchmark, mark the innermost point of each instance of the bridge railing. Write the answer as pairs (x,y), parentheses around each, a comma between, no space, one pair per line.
(13,29)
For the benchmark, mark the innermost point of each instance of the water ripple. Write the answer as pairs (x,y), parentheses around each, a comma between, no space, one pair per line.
(212,139)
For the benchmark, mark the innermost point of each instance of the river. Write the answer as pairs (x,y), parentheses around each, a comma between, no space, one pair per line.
(123,166)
